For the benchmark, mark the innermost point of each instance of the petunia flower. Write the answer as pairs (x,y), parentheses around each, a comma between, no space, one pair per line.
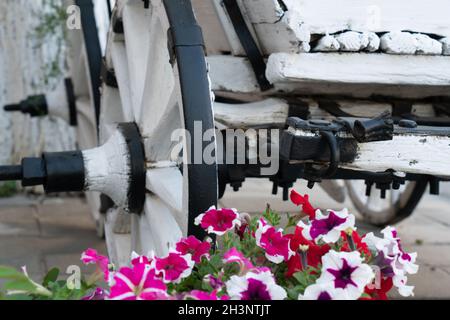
(275,244)
(255,286)
(204,296)
(174,267)
(346,271)
(91,256)
(214,282)
(323,292)
(328,227)
(303,201)
(195,247)
(305,250)
(233,255)
(380,293)
(218,221)
(138,259)
(392,260)
(138,283)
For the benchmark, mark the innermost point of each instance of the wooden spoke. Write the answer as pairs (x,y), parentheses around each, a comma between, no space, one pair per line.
(167,185)
(120,65)
(160,224)
(136,28)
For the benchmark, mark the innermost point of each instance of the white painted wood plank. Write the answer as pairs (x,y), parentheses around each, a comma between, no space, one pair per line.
(406,153)
(277,30)
(266,113)
(359,68)
(235,75)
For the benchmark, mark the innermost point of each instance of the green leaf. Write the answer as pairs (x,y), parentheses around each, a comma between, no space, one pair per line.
(20,285)
(11,273)
(52,276)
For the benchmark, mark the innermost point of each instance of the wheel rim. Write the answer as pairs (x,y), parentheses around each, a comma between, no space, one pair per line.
(150,92)
(375,210)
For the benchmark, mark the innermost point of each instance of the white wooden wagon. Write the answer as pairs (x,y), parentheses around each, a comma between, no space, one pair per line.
(357,91)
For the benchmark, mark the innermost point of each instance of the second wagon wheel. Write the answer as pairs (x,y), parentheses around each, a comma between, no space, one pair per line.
(158,59)
(397,205)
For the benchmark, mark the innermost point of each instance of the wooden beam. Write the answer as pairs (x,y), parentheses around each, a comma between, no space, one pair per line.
(359,68)
(405,153)
(331,74)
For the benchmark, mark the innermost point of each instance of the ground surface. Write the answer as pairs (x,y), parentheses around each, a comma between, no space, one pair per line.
(43,233)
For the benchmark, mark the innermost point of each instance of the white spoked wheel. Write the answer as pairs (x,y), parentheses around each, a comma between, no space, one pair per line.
(161,93)
(84,63)
(396,206)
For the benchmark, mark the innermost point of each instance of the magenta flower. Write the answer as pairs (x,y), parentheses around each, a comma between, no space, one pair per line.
(328,227)
(234,255)
(215,282)
(255,286)
(275,244)
(194,247)
(174,267)
(203,295)
(347,272)
(138,283)
(91,256)
(138,259)
(218,221)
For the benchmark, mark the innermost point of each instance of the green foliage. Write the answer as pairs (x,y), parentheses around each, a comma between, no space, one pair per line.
(51,28)
(19,286)
(8,189)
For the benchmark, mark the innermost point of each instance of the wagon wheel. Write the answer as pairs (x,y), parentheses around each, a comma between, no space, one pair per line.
(397,206)
(85,65)
(162,91)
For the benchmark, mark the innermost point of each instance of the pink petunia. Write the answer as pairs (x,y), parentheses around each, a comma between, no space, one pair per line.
(174,267)
(275,244)
(91,256)
(328,227)
(218,221)
(138,283)
(138,259)
(195,247)
(234,255)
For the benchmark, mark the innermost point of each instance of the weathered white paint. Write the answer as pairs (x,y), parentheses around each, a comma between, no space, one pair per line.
(405,153)
(266,113)
(352,41)
(349,41)
(327,44)
(107,169)
(365,69)
(232,74)
(408,43)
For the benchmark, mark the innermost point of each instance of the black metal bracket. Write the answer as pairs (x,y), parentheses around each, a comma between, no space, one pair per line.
(254,55)
(35,106)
